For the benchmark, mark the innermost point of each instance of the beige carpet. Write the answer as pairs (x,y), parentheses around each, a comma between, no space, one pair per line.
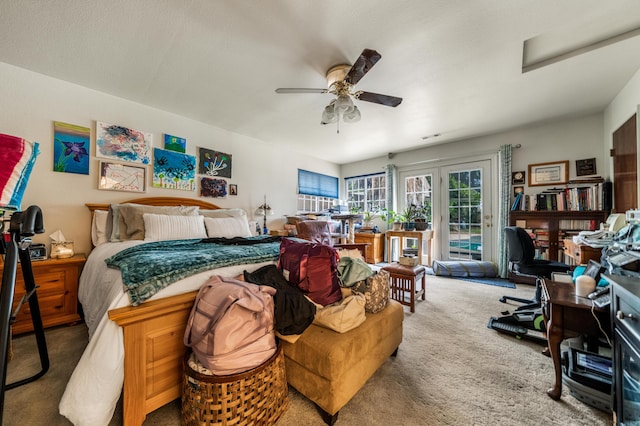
(450,370)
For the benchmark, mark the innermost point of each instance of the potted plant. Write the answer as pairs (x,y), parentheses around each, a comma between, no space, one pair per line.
(368,219)
(423,216)
(408,218)
(392,218)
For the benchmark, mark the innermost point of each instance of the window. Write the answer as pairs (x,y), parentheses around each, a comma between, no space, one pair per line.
(314,204)
(418,192)
(367,193)
(316,192)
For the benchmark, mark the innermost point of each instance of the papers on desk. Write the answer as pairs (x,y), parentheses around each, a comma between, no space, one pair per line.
(599,238)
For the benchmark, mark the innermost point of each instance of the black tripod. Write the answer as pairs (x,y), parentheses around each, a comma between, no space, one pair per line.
(15,245)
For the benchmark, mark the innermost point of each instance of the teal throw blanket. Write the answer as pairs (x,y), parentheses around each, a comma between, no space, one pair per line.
(148,268)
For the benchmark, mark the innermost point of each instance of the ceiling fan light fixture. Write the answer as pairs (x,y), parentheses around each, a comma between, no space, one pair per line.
(343,104)
(352,116)
(329,114)
(341,80)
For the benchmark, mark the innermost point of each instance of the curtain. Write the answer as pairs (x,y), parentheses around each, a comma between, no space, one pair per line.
(311,183)
(504,200)
(390,176)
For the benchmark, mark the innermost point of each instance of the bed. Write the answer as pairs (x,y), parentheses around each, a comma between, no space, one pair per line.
(135,351)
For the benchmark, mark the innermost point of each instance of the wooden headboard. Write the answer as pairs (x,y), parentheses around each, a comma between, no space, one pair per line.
(159,201)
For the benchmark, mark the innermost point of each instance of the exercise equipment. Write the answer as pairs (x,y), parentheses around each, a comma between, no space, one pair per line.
(526,321)
(15,246)
(513,326)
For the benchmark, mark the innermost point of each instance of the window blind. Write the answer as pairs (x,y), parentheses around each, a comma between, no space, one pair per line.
(310,183)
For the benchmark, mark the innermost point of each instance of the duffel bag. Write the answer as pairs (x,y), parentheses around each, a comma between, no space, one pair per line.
(230,328)
(311,267)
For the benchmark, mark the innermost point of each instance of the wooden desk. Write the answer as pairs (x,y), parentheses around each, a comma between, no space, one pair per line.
(581,253)
(402,235)
(567,315)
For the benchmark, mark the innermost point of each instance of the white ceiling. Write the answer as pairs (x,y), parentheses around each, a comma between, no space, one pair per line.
(456,64)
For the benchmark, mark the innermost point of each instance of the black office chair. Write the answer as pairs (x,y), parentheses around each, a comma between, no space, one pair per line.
(524,268)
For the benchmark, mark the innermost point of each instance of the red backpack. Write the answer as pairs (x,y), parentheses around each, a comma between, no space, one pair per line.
(313,268)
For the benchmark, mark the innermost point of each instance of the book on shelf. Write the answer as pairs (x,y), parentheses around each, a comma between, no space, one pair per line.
(516,203)
(575,197)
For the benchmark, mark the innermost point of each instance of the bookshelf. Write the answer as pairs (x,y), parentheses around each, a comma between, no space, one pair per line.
(549,228)
(576,195)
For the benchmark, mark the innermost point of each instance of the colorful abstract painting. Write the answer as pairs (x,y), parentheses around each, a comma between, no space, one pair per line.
(174,170)
(174,143)
(71,148)
(121,143)
(214,163)
(213,187)
(122,177)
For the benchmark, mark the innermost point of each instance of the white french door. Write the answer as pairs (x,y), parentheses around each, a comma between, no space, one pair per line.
(417,187)
(466,211)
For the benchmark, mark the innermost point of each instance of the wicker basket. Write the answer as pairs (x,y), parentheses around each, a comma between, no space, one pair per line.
(256,397)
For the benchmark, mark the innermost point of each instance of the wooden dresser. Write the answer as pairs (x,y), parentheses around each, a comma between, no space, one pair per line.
(57,289)
(375,249)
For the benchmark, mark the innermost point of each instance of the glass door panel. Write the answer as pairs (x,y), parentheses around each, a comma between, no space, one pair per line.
(467,211)
(416,188)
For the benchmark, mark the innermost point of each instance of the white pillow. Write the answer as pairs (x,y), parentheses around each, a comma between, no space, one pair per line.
(160,227)
(234,212)
(227,227)
(99,227)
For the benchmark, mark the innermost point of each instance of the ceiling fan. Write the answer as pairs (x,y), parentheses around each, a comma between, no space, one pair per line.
(341,80)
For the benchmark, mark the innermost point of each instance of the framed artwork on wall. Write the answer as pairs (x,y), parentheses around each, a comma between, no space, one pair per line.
(71,148)
(214,163)
(586,167)
(122,177)
(233,189)
(552,173)
(216,188)
(123,144)
(174,143)
(174,170)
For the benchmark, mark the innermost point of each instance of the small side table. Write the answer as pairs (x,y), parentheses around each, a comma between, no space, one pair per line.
(403,281)
(419,235)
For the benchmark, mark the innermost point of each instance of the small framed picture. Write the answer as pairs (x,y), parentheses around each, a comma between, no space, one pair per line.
(518,190)
(517,178)
(553,173)
(586,167)
(233,189)
(122,177)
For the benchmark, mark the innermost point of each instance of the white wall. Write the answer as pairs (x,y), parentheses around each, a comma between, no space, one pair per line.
(32,102)
(623,106)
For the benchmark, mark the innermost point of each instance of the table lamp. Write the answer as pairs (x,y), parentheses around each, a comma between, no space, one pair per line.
(264,210)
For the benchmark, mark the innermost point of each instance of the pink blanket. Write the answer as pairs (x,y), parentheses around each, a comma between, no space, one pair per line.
(17,157)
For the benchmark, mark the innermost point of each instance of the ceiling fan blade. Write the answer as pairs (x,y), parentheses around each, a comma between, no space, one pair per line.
(365,61)
(377,98)
(294,90)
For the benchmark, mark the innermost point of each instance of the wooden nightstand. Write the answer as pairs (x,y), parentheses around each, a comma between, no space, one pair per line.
(375,249)
(57,283)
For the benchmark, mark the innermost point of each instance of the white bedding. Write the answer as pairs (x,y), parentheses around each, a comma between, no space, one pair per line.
(94,388)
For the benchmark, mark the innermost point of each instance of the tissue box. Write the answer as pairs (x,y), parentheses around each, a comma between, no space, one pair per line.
(62,250)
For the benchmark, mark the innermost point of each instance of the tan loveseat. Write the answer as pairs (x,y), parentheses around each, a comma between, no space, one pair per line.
(329,368)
